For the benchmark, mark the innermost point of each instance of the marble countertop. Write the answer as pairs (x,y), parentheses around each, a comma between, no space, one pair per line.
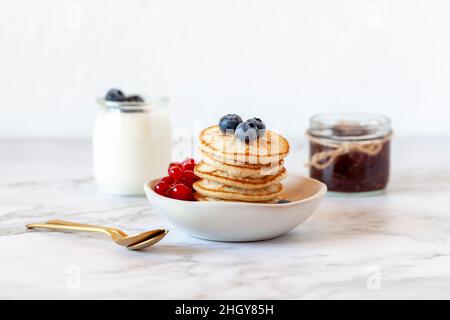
(392,246)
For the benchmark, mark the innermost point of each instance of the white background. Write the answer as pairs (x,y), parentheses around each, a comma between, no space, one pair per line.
(280,60)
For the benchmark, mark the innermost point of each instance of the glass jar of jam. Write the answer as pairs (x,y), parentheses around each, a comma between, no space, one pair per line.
(350,152)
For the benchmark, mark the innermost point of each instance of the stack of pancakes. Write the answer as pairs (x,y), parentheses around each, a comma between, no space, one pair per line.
(232,170)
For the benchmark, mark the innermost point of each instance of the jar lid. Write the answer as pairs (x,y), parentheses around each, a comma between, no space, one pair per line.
(150,103)
(349,126)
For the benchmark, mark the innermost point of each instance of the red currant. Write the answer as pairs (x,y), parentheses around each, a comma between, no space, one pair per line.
(181,192)
(172,164)
(175,172)
(168,180)
(188,178)
(188,164)
(161,188)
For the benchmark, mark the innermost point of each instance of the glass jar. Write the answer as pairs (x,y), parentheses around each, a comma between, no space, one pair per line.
(350,152)
(131,144)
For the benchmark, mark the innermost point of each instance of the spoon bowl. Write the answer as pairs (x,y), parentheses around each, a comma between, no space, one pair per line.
(149,242)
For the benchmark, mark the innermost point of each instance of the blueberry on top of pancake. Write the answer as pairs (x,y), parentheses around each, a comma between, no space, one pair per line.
(259,124)
(247,131)
(229,122)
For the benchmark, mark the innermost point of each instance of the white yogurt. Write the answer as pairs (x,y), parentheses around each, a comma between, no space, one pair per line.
(131,144)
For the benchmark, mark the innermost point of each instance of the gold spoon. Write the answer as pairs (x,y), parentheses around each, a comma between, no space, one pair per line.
(134,242)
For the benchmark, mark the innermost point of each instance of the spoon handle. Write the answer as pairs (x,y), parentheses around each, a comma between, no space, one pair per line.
(70,223)
(66,227)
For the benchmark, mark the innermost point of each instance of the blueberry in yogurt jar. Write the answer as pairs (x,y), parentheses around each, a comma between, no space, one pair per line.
(115,95)
(134,98)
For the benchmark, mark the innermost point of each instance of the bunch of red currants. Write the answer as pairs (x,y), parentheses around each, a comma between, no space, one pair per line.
(178,184)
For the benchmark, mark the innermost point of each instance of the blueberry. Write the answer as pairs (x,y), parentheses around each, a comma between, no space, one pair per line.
(259,124)
(229,122)
(134,98)
(283,201)
(247,131)
(115,95)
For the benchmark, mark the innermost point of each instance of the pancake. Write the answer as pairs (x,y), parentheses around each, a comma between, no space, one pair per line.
(216,190)
(270,148)
(199,197)
(210,173)
(243,169)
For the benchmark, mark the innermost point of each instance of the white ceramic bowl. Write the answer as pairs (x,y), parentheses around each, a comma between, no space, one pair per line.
(240,221)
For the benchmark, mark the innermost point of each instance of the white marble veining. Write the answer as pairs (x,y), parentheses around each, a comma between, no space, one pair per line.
(392,246)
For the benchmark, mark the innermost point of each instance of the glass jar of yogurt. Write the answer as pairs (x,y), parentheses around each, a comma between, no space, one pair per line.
(131,144)
(350,152)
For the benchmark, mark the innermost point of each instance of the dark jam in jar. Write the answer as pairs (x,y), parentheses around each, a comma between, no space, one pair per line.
(352,152)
